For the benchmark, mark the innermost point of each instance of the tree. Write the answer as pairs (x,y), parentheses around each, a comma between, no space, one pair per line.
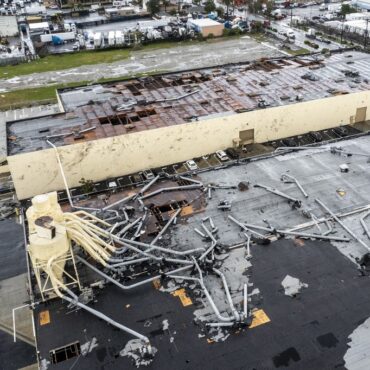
(209,6)
(153,6)
(165,4)
(227,3)
(220,11)
(346,9)
(269,7)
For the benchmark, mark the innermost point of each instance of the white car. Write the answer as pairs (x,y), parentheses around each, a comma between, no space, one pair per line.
(191,165)
(148,175)
(221,155)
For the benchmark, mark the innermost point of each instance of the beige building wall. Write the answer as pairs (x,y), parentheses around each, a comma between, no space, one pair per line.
(37,172)
(216,30)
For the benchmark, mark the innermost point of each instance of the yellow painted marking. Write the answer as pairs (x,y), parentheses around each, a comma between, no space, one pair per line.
(186,211)
(157,283)
(44,317)
(341,192)
(259,318)
(185,300)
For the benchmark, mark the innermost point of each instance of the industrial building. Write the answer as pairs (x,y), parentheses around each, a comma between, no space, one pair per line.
(119,128)
(260,265)
(206,27)
(257,258)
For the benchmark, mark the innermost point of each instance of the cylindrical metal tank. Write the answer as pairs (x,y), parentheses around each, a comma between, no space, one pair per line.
(44,205)
(42,249)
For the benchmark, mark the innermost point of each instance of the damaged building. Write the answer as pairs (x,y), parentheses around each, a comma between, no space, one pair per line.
(119,128)
(191,270)
(253,258)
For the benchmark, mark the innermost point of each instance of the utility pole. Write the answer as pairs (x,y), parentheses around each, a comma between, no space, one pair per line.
(291,14)
(366,33)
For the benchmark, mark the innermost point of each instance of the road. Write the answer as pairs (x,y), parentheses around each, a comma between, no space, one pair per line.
(283,24)
(178,58)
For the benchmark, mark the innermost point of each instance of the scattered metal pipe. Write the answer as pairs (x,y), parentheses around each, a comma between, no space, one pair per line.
(349,231)
(72,298)
(135,285)
(165,227)
(219,324)
(147,186)
(199,232)
(245,300)
(296,202)
(259,227)
(210,249)
(338,150)
(362,221)
(248,245)
(209,298)
(289,179)
(228,295)
(129,262)
(209,233)
(315,236)
(173,188)
(128,227)
(123,200)
(245,228)
(155,258)
(191,180)
(162,249)
(66,183)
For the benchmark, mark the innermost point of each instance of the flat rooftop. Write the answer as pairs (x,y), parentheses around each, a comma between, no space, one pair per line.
(310,329)
(118,108)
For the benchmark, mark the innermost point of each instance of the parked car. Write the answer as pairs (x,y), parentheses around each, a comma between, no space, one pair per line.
(148,174)
(191,165)
(315,136)
(222,156)
(232,153)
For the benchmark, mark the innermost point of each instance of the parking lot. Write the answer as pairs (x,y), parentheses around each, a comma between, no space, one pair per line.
(212,161)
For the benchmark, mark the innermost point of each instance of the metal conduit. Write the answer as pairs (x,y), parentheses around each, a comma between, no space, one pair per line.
(349,231)
(135,285)
(185,187)
(228,295)
(162,249)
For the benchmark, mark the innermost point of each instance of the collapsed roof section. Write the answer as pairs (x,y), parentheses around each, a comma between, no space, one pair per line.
(122,107)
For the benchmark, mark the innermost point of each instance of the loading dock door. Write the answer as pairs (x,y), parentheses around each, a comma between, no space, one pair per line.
(360,115)
(246,136)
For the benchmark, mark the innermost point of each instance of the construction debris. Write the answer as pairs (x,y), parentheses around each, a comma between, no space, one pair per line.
(243,185)
(292,286)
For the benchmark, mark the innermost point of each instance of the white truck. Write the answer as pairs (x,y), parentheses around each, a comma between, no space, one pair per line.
(111,38)
(311,33)
(97,39)
(119,38)
(334,8)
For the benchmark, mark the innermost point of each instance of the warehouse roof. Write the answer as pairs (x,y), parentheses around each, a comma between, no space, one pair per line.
(204,22)
(309,328)
(117,108)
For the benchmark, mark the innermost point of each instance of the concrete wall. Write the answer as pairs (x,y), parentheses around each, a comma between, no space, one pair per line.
(38,172)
